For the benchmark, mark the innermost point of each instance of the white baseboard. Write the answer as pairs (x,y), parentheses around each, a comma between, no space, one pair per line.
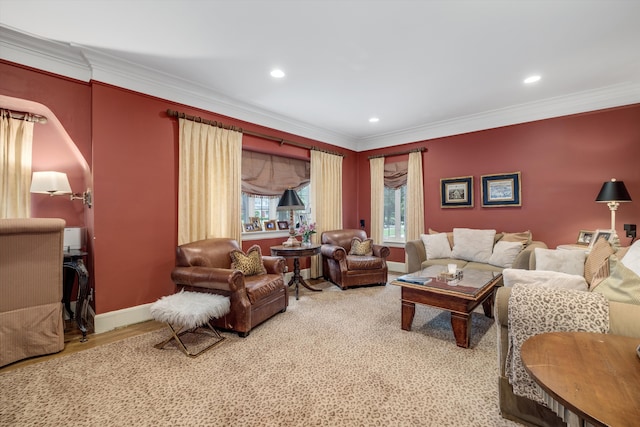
(117,319)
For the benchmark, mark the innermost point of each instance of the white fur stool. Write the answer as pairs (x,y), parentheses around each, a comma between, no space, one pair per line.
(189,312)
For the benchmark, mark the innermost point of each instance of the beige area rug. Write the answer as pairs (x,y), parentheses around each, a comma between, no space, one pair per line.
(334,358)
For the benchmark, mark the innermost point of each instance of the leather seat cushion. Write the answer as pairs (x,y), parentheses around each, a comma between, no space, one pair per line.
(262,286)
(357,262)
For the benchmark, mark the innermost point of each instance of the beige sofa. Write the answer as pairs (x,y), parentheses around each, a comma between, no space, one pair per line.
(417,256)
(31,318)
(624,319)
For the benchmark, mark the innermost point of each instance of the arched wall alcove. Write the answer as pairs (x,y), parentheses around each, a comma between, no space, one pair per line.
(53,149)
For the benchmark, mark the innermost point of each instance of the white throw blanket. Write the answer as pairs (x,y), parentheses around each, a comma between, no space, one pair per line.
(535,310)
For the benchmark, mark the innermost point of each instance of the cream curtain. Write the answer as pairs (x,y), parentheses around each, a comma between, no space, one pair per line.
(326,198)
(415,198)
(16,137)
(209,200)
(376,167)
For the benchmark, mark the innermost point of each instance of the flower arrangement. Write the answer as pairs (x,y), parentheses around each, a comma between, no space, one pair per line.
(306,230)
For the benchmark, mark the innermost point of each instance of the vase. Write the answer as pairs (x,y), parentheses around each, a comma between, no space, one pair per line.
(306,240)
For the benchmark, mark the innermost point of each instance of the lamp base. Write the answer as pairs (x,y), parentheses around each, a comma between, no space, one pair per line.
(292,241)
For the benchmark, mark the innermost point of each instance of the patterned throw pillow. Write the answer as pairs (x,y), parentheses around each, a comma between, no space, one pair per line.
(360,247)
(250,263)
(600,253)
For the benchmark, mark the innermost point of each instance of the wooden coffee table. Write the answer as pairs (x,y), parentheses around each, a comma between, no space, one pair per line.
(476,287)
(595,376)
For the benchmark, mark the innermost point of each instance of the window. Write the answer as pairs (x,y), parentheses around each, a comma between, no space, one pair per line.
(264,207)
(394,210)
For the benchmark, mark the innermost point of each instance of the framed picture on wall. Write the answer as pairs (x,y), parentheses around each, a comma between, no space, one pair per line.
(585,237)
(501,190)
(456,192)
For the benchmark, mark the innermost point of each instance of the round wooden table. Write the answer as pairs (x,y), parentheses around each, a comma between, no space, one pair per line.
(595,376)
(297,252)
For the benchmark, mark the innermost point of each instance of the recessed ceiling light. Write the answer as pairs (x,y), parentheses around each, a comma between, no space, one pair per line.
(532,79)
(374,120)
(278,74)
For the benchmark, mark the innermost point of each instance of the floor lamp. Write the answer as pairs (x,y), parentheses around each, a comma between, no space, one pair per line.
(290,201)
(613,193)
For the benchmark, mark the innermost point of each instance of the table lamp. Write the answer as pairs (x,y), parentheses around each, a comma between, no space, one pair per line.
(613,193)
(290,201)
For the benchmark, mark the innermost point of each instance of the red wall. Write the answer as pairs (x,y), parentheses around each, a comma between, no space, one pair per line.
(563,162)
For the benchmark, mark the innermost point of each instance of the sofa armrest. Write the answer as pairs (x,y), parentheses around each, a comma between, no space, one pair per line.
(501,305)
(221,279)
(274,264)
(333,252)
(416,254)
(526,259)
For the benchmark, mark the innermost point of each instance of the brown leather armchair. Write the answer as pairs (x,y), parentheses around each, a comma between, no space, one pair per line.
(205,266)
(346,270)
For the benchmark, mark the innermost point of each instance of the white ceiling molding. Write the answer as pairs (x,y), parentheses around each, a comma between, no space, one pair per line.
(85,64)
(592,100)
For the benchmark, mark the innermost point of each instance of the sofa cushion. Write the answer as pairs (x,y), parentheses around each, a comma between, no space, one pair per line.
(523,237)
(436,245)
(504,253)
(564,261)
(599,253)
(361,247)
(262,286)
(548,279)
(449,236)
(250,263)
(622,285)
(473,245)
(631,258)
(364,262)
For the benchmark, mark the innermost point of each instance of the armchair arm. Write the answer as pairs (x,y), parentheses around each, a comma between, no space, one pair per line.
(416,254)
(333,252)
(221,279)
(381,251)
(274,264)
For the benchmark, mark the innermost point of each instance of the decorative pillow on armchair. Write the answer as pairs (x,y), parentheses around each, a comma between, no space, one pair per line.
(250,263)
(473,245)
(436,245)
(361,247)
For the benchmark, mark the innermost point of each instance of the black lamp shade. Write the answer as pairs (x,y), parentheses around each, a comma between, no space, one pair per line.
(613,191)
(290,201)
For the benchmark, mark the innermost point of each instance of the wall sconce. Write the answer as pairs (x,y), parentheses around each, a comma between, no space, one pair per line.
(612,193)
(56,184)
(290,201)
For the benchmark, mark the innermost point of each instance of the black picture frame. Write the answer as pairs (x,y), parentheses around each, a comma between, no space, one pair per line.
(500,190)
(456,192)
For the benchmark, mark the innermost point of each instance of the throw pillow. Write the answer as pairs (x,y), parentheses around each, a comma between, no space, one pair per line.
(564,261)
(524,237)
(250,263)
(504,253)
(361,247)
(547,279)
(436,245)
(473,245)
(622,285)
(449,236)
(600,251)
(631,259)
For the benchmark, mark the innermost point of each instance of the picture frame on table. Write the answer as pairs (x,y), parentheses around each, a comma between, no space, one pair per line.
(248,227)
(270,225)
(500,190)
(456,192)
(257,224)
(608,235)
(283,225)
(585,237)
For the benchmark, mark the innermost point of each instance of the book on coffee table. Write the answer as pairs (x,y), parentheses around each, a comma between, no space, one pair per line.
(415,278)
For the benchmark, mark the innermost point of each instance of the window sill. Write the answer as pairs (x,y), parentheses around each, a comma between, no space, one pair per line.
(395,244)
(261,235)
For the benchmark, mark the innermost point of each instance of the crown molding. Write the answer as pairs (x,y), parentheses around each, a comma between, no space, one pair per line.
(575,103)
(85,64)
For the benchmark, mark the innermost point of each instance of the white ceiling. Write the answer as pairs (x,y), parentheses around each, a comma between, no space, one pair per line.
(425,68)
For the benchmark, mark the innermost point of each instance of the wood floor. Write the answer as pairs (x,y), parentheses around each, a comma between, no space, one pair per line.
(72,344)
